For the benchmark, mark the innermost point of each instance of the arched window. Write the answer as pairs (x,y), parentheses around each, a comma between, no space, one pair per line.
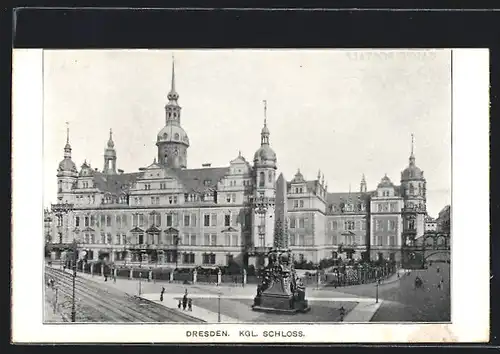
(412,190)
(176,136)
(165,136)
(270,177)
(262,179)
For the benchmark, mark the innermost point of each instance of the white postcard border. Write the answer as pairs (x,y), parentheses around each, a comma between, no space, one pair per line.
(470,233)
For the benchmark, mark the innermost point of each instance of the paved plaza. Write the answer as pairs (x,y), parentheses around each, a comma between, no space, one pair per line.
(399,301)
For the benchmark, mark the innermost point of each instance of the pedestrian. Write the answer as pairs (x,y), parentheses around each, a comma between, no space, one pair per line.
(162,292)
(190,304)
(114,278)
(179,304)
(185,300)
(437,269)
(105,278)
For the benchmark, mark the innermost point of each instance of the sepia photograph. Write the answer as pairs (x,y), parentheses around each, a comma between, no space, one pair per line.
(248,187)
(257,187)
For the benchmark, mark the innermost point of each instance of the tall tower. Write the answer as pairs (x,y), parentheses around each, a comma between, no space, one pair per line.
(263,210)
(110,156)
(362,185)
(413,188)
(172,141)
(67,173)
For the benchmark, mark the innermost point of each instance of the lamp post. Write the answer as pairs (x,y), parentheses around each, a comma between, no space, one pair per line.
(218,312)
(73,308)
(376,293)
(176,243)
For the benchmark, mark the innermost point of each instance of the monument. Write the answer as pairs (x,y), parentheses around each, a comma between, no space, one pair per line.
(281,289)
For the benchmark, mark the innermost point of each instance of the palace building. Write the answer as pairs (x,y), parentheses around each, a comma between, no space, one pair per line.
(167,214)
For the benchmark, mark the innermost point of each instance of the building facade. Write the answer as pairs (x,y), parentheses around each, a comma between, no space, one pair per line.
(167,214)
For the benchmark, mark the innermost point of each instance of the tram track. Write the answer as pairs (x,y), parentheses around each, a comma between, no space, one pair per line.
(113,305)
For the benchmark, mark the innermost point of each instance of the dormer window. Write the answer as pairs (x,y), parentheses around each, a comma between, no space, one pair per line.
(207,182)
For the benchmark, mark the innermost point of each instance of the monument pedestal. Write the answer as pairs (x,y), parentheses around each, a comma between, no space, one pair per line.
(281,290)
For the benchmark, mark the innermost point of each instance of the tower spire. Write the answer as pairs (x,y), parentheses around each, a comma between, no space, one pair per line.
(412,156)
(67,132)
(67,147)
(173,73)
(264,134)
(265,112)
(111,144)
(173,95)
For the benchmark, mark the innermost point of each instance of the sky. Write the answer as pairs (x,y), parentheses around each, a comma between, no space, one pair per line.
(343,112)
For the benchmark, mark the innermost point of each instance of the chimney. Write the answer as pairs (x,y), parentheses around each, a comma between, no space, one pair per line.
(208,164)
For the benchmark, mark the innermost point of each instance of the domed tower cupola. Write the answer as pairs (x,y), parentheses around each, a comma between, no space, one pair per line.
(265,156)
(172,141)
(299,177)
(110,156)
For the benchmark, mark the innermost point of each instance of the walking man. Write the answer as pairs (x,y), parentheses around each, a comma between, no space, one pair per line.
(185,300)
(162,292)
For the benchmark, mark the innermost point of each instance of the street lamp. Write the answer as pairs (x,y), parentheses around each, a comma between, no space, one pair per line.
(73,309)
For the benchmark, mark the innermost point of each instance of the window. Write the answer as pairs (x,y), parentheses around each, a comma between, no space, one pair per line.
(392,225)
(169,219)
(206,239)
(152,200)
(206,220)
(109,239)
(141,220)
(188,258)
(380,241)
(392,240)
(213,240)
(227,220)
(233,197)
(379,207)
(362,225)
(334,225)
(270,179)
(77,221)
(135,220)
(412,190)
(301,203)
(193,220)
(103,237)
(378,225)
(186,220)
(87,223)
(214,219)
(227,238)
(393,207)
(262,179)
(108,220)
(411,225)
(295,203)
(208,258)
(234,238)
(349,225)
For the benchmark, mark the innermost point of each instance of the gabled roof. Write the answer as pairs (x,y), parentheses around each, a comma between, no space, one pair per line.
(116,183)
(194,179)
